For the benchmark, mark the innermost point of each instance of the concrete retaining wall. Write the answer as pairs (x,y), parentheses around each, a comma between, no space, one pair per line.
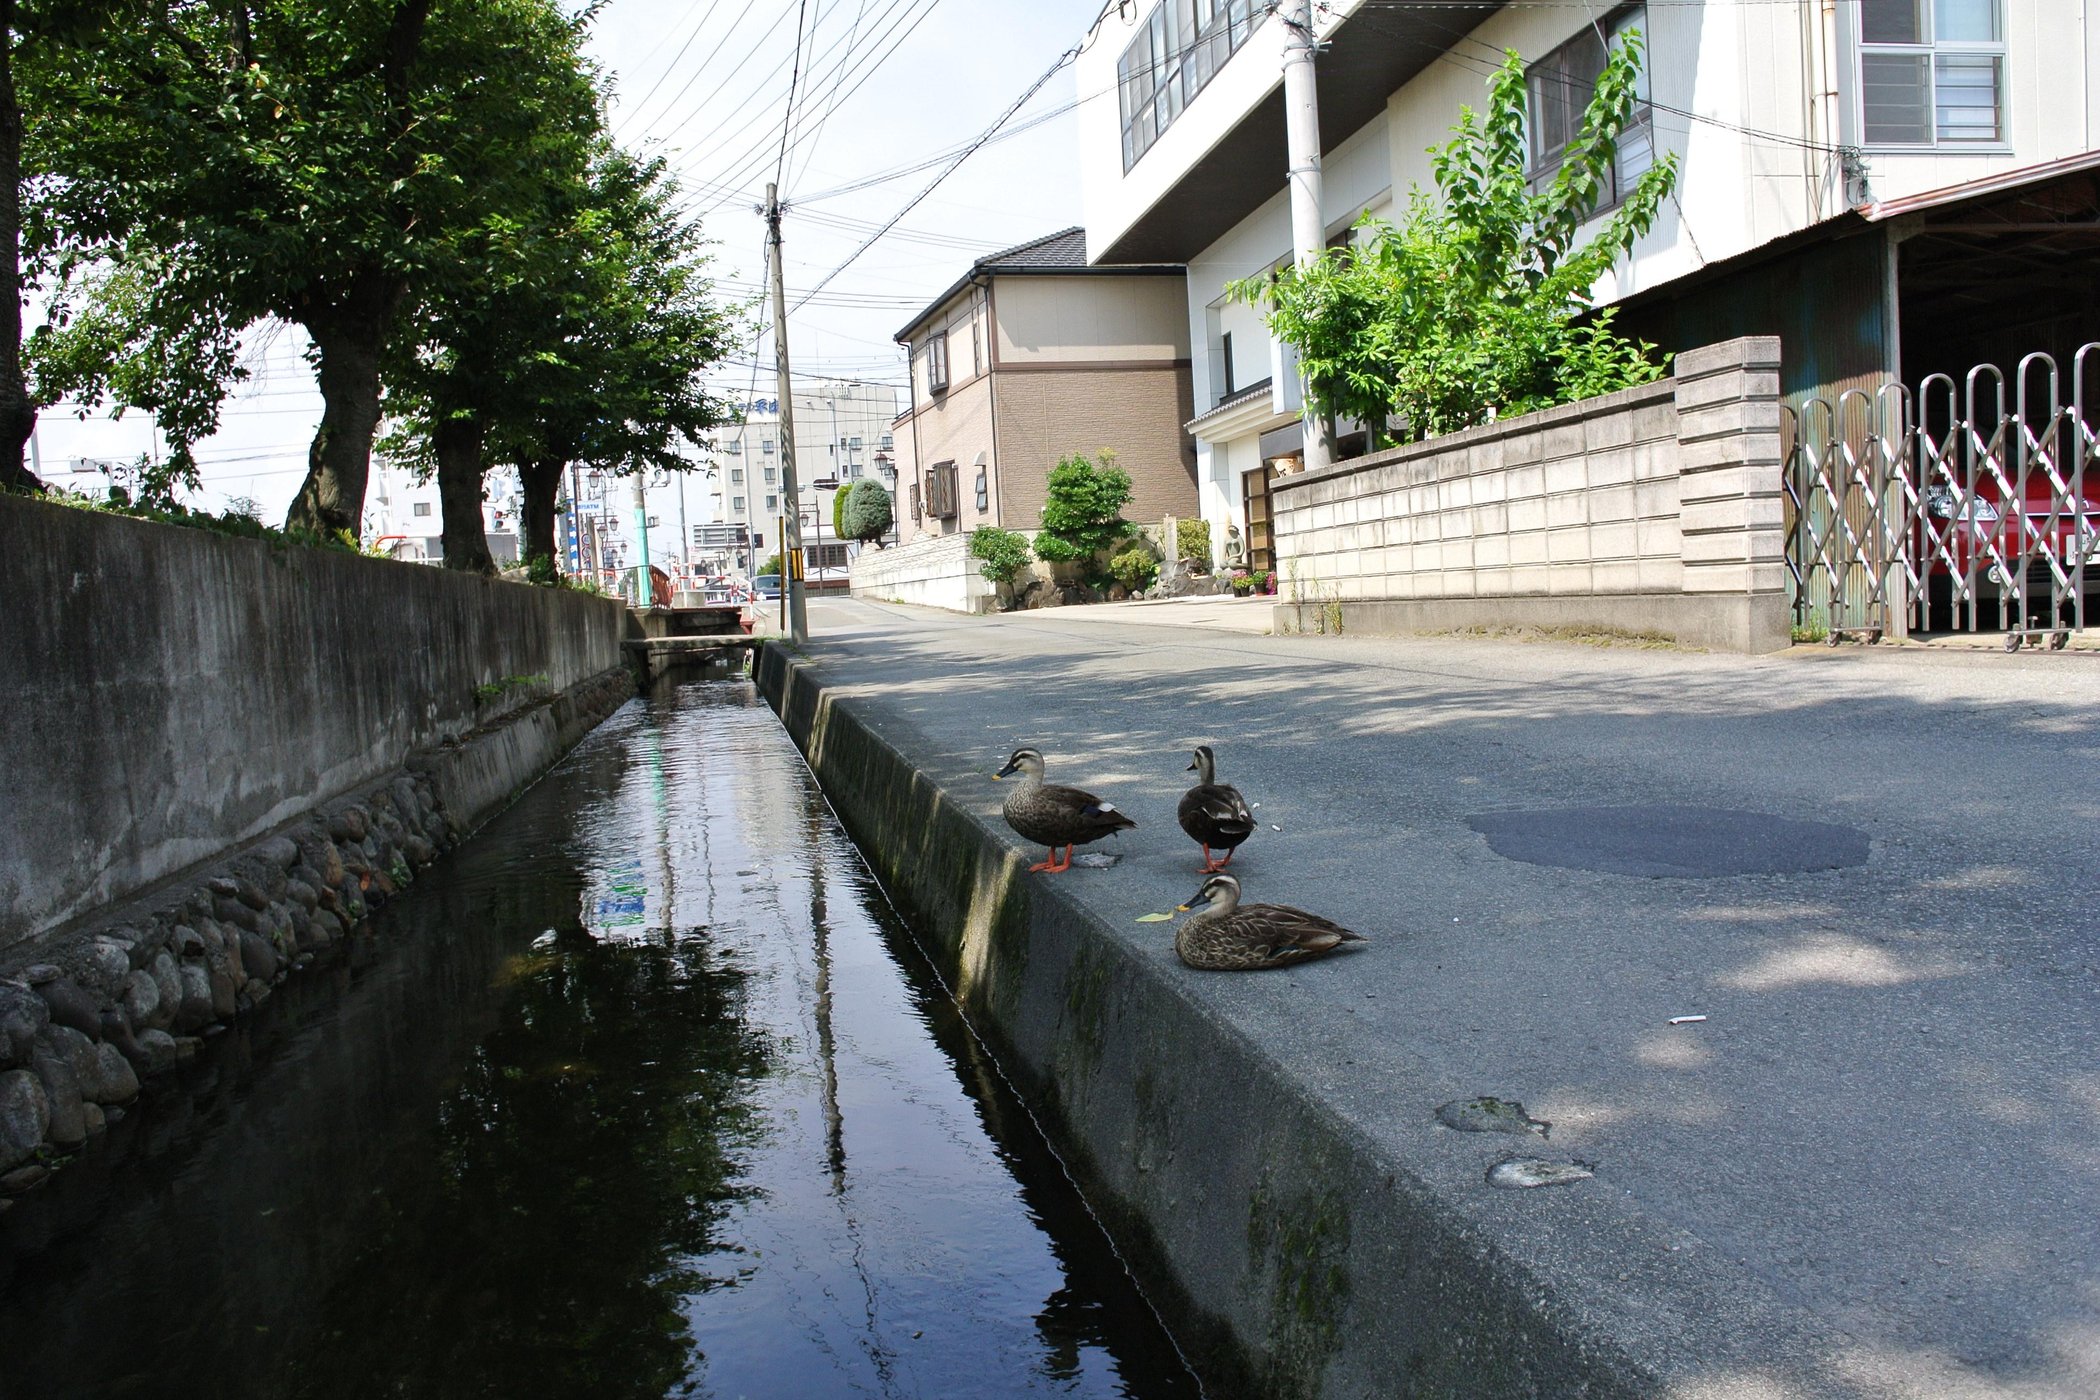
(1655,510)
(172,696)
(934,573)
(1291,1257)
(170,693)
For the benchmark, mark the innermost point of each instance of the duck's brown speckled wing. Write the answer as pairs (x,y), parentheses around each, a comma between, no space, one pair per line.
(1287,933)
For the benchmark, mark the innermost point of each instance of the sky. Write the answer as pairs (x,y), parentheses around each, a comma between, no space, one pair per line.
(884,85)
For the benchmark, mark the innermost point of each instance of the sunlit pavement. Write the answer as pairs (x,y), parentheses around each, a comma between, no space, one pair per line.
(1869,1170)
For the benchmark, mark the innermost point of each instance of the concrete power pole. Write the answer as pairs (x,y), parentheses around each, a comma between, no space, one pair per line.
(1301,105)
(791,518)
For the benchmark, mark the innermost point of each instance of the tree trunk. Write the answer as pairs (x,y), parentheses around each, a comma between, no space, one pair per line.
(458,444)
(17,413)
(350,327)
(542,481)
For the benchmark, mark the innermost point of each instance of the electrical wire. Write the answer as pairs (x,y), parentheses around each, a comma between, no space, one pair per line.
(1052,71)
(788,121)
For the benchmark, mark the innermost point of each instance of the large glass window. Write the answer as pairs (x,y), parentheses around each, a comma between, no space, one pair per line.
(1176,51)
(1562,84)
(1931,72)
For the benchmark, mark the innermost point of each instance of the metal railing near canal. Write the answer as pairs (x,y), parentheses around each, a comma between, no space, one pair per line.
(646,1093)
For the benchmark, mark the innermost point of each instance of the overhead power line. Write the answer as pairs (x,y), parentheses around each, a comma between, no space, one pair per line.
(1018,103)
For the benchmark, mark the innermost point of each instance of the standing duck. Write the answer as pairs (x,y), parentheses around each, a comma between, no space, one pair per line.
(1227,936)
(1214,813)
(1055,816)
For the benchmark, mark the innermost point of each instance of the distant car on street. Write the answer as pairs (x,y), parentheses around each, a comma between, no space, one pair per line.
(768,586)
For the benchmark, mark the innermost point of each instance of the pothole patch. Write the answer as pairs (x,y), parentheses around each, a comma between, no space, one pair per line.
(1666,842)
(1529,1173)
(1490,1115)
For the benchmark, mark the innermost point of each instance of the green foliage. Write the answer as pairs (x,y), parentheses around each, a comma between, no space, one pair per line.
(238,519)
(772,566)
(1002,554)
(1134,568)
(411,181)
(870,514)
(496,689)
(838,509)
(1192,540)
(1467,309)
(1082,514)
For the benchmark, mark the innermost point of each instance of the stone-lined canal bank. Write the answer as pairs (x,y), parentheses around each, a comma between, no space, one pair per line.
(641,1091)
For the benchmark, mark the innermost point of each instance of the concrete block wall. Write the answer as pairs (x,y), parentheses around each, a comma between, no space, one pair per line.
(1653,511)
(169,694)
(933,573)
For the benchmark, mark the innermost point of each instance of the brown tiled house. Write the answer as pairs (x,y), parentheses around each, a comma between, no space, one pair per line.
(1033,355)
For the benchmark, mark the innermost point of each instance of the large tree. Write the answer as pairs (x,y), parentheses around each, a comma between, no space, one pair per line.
(618,382)
(495,289)
(17,413)
(303,160)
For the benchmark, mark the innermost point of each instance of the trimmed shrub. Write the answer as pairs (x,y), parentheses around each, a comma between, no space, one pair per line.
(1082,512)
(1003,553)
(868,515)
(1192,540)
(1134,568)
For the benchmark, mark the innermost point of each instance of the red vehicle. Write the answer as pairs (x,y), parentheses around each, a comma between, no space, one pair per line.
(1975,542)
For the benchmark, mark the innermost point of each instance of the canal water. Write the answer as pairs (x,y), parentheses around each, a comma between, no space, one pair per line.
(643,1092)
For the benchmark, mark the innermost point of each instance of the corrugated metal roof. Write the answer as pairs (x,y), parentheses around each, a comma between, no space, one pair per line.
(1990,184)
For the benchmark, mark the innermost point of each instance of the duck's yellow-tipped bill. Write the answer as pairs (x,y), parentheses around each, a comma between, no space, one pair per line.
(1183,908)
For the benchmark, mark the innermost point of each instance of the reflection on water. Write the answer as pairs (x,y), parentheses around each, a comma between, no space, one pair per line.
(641,1094)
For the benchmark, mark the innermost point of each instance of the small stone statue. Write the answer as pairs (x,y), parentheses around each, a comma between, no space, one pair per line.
(1235,552)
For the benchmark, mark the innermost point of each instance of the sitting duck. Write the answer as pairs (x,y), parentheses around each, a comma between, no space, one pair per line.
(1226,936)
(1214,813)
(1055,816)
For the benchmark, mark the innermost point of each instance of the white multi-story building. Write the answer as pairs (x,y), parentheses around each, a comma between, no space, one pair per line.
(403,516)
(843,433)
(1893,187)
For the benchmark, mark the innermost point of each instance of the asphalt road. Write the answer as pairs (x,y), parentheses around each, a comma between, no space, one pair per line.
(1873,1169)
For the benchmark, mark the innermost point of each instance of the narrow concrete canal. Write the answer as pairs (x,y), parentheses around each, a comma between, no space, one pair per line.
(643,1092)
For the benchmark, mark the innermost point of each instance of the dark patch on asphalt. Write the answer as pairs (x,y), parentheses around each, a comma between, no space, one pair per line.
(1490,1115)
(1529,1173)
(1671,842)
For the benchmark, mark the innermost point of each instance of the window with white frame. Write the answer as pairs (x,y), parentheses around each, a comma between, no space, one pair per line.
(773,503)
(736,503)
(1178,48)
(422,507)
(736,476)
(984,491)
(1931,72)
(937,362)
(772,475)
(765,445)
(1561,85)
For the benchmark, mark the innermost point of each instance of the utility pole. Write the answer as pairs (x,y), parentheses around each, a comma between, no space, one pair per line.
(575,521)
(644,594)
(1301,106)
(791,518)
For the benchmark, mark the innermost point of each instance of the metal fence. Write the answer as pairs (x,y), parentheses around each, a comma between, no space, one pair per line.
(1971,506)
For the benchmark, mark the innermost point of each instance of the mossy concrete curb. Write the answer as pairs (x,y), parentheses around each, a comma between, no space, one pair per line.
(1291,1256)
